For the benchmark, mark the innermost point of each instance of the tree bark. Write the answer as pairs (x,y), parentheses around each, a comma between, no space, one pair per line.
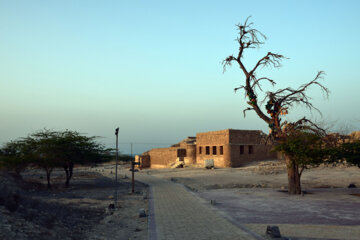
(294,185)
(48,172)
(69,173)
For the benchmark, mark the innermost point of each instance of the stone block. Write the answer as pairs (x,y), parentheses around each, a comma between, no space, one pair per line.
(209,163)
(273,232)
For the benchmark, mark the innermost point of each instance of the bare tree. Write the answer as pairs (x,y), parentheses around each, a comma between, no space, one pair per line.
(278,102)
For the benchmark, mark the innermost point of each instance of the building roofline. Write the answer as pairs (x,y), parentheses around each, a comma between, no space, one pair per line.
(230,129)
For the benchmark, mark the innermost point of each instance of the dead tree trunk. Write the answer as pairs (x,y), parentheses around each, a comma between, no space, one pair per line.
(277,103)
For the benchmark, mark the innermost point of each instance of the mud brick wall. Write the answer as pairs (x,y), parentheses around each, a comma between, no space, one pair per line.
(214,141)
(190,157)
(238,147)
(143,160)
(162,157)
(247,146)
(244,136)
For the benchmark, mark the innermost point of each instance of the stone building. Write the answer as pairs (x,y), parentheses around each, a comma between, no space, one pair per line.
(228,148)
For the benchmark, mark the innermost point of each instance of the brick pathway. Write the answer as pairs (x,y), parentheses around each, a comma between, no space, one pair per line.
(176,213)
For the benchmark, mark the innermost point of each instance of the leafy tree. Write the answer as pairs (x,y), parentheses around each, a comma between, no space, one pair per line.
(350,151)
(305,150)
(44,145)
(73,148)
(51,149)
(345,152)
(278,103)
(15,156)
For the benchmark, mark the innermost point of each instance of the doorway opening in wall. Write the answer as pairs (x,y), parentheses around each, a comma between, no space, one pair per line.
(241,149)
(251,150)
(200,150)
(221,150)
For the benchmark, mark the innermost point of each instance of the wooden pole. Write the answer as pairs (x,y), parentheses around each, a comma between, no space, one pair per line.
(116,165)
(132,171)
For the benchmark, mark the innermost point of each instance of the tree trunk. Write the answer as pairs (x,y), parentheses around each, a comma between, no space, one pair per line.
(69,173)
(48,172)
(294,185)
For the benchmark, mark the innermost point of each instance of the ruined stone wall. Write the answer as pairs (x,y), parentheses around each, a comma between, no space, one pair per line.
(190,157)
(142,160)
(162,157)
(355,136)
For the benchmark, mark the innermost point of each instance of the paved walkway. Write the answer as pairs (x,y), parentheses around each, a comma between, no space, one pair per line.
(176,213)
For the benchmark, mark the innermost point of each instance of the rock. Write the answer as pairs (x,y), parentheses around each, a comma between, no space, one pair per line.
(209,163)
(351,185)
(142,212)
(273,231)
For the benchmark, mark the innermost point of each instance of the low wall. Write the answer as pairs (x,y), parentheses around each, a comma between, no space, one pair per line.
(162,157)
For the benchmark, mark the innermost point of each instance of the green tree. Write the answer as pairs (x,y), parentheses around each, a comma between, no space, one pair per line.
(16,156)
(73,148)
(345,152)
(44,145)
(305,148)
(351,152)
(278,103)
(47,150)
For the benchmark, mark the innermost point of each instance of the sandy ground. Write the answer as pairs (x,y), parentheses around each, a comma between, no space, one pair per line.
(78,212)
(252,196)
(255,196)
(264,174)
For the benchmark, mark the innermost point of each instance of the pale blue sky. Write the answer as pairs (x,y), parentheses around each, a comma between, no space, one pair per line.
(153,67)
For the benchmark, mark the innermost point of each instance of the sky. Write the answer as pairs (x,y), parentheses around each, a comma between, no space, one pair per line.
(153,68)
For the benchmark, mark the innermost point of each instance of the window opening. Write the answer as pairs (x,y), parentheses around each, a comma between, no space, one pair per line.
(214,150)
(207,150)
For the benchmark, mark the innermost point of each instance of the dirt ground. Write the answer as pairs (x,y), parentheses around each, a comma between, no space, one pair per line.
(255,196)
(78,212)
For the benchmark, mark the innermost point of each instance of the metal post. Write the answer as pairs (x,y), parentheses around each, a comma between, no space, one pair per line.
(132,171)
(116,166)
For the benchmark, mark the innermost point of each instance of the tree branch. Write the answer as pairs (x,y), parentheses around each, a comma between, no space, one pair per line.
(247,110)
